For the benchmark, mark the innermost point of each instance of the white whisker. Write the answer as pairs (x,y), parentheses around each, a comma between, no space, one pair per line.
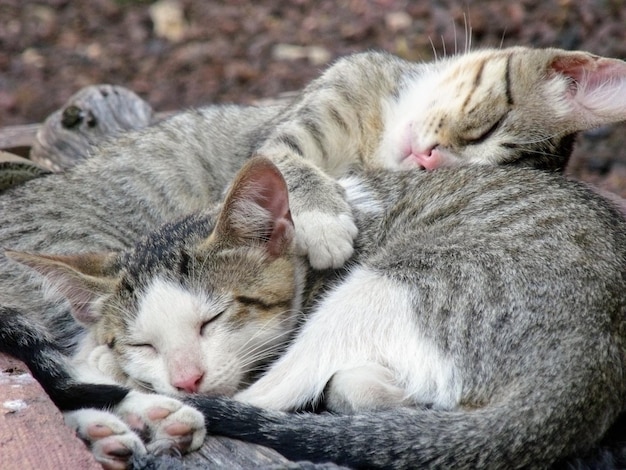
(432,45)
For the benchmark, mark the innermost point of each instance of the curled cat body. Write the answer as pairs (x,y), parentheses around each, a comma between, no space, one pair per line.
(354,116)
(481,322)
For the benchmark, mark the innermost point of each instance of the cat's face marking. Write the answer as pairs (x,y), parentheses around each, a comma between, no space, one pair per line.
(501,106)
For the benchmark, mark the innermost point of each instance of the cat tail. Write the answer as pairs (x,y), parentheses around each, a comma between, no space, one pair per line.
(23,340)
(511,434)
(610,454)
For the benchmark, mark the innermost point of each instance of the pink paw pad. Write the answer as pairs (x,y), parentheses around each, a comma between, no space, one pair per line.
(117,451)
(134,421)
(99,431)
(158,413)
(178,429)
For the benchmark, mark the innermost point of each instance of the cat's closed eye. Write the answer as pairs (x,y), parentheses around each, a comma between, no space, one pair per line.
(480,134)
(146,346)
(206,323)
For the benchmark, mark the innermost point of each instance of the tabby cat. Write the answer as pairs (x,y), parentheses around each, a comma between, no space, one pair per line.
(481,324)
(482,321)
(356,115)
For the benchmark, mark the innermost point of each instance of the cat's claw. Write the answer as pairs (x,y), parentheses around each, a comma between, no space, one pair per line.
(112,442)
(170,425)
(327,239)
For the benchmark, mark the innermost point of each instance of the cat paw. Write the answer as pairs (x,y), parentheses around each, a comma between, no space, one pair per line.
(364,388)
(169,425)
(110,440)
(327,239)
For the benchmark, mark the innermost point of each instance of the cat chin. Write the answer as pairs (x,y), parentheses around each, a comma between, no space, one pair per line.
(221,391)
(410,162)
(226,390)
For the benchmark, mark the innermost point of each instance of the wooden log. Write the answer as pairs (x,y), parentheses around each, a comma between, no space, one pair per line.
(95,112)
(18,137)
(32,430)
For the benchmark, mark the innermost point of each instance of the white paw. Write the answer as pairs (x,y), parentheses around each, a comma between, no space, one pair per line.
(111,441)
(326,238)
(364,388)
(169,424)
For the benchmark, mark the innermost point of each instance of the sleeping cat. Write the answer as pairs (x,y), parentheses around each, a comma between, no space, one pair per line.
(133,185)
(481,323)
(199,305)
(512,106)
(489,302)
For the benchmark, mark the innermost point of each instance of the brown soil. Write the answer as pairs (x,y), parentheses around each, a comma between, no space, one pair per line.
(239,51)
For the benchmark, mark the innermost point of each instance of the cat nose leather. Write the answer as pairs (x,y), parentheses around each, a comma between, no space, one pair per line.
(430,158)
(189,384)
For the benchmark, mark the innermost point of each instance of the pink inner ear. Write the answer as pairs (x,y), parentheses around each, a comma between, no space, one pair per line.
(262,183)
(575,67)
(598,90)
(592,71)
(270,192)
(281,236)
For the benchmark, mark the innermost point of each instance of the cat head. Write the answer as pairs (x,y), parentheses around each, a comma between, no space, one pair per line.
(200,304)
(517,105)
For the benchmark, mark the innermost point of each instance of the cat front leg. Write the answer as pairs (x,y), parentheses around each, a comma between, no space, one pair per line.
(366,320)
(323,219)
(331,340)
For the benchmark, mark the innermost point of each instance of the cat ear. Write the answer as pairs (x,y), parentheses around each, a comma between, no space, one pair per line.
(597,88)
(81,279)
(256,209)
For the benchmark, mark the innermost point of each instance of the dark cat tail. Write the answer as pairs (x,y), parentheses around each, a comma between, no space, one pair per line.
(609,454)
(23,340)
(510,434)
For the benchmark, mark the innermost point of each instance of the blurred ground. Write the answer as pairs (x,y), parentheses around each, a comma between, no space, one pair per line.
(186,53)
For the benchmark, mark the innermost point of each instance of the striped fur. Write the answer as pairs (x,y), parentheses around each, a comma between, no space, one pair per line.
(481,324)
(368,110)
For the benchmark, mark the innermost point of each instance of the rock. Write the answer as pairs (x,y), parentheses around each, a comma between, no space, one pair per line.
(168,19)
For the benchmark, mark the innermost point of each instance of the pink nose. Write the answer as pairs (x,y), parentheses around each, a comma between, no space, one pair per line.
(189,384)
(430,158)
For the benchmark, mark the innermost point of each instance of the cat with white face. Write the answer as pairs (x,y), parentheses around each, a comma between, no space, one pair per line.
(190,308)
(482,318)
(520,105)
(516,106)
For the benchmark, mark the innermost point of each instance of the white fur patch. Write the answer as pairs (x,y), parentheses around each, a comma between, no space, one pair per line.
(168,323)
(399,115)
(166,307)
(360,196)
(367,319)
